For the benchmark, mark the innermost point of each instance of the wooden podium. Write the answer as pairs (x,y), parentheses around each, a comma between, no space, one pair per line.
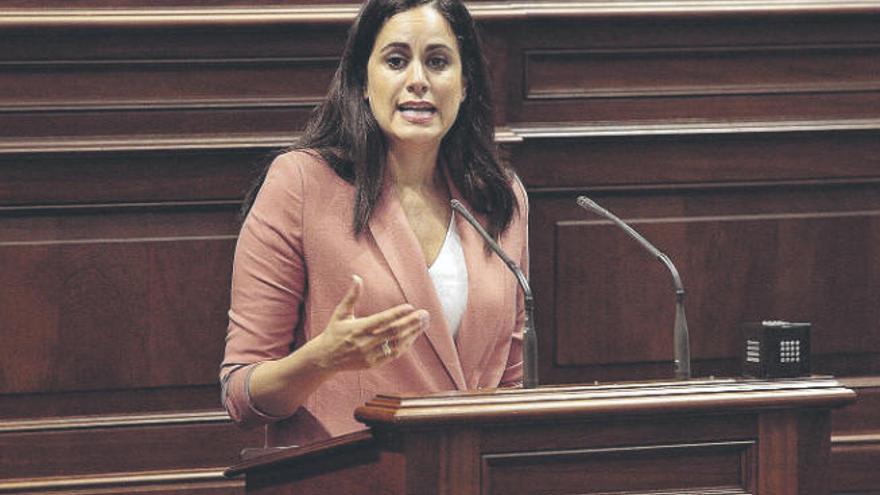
(718,437)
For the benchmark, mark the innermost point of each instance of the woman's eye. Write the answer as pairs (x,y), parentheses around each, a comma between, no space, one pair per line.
(395,62)
(438,63)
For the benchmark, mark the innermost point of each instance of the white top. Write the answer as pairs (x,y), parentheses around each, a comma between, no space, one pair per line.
(450,277)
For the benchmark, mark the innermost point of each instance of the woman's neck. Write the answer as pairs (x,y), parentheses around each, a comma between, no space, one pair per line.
(413,168)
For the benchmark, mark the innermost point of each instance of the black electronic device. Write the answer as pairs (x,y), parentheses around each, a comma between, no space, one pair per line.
(776,349)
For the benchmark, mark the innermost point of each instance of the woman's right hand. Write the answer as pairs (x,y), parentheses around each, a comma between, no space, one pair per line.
(352,343)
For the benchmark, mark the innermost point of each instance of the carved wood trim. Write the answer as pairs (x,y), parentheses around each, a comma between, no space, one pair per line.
(345,13)
(704,186)
(558,403)
(271,457)
(861,381)
(117,207)
(690,128)
(727,218)
(503,135)
(110,480)
(853,440)
(131,144)
(148,105)
(115,421)
(144,143)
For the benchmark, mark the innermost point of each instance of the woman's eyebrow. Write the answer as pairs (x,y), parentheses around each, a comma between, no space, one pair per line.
(399,45)
(438,46)
(395,45)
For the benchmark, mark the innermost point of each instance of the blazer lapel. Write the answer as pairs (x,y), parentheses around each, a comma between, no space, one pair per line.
(401,250)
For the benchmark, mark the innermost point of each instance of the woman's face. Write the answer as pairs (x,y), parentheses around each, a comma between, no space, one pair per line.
(414,80)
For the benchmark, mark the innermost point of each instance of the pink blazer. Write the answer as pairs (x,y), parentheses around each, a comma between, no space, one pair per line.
(293,263)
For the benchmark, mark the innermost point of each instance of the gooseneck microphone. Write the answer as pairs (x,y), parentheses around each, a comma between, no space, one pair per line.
(680,330)
(530,342)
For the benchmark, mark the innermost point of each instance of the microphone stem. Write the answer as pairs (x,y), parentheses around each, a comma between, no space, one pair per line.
(680,337)
(530,346)
(530,340)
(681,340)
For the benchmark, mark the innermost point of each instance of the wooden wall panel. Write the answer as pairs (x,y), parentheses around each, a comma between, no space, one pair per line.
(667,155)
(709,68)
(679,468)
(160,81)
(806,267)
(741,137)
(688,71)
(183,173)
(114,314)
(855,445)
(794,252)
(110,402)
(82,449)
(169,82)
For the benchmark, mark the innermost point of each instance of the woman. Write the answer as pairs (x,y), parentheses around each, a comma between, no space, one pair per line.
(352,276)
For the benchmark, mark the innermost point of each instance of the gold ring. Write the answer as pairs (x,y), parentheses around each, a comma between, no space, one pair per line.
(386,348)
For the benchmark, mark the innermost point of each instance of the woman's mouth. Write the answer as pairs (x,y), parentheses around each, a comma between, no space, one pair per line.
(417,112)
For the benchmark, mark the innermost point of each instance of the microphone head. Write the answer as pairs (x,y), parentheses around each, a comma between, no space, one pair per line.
(586,202)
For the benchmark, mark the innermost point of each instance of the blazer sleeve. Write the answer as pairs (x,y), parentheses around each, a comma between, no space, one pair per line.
(513,374)
(268,284)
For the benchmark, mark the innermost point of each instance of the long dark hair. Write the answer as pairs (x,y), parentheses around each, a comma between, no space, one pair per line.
(346,135)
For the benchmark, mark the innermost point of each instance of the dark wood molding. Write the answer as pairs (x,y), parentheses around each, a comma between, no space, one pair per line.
(272,457)
(482,11)
(559,403)
(206,478)
(690,127)
(135,143)
(112,421)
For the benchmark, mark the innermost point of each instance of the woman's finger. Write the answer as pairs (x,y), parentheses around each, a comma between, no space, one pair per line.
(398,337)
(395,346)
(379,321)
(406,339)
(390,329)
(345,308)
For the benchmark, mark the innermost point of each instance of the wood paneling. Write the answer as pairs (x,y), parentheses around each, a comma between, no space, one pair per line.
(161,452)
(691,72)
(680,468)
(189,174)
(110,402)
(117,297)
(740,137)
(109,325)
(797,252)
(824,253)
(88,446)
(855,444)
(151,84)
(641,69)
(195,482)
(697,153)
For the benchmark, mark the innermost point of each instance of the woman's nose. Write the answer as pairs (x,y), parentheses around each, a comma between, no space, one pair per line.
(417,83)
